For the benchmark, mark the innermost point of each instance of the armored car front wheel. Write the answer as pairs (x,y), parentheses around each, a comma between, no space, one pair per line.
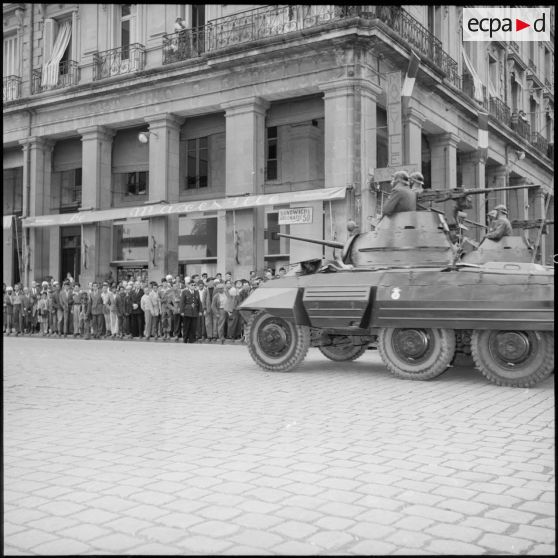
(514,358)
(276,344)
(416,354)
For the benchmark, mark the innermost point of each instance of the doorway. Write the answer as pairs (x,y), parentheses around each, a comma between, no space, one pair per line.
(70,252)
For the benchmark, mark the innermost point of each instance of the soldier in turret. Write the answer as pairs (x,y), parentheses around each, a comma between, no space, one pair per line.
(417,182)
(401,198)
(500,225)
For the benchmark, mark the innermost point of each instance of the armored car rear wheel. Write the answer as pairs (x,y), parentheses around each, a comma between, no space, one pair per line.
(514,358)
(343,350)
(416,354)
(276,344)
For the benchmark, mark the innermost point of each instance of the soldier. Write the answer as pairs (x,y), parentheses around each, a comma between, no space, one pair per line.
(500,225)
(417,182)
(401,198)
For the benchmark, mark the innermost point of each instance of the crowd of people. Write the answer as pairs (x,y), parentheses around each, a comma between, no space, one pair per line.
(196,309)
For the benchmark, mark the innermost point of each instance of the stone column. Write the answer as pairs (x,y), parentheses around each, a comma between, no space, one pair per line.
(164,156)
(350,145)
(96,247)
(444,161)
(244,164)
(539,210)
(473,170)
(38,174)
(497,178)
(413,121)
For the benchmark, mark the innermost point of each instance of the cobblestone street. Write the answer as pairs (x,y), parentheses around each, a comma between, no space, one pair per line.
(115,447)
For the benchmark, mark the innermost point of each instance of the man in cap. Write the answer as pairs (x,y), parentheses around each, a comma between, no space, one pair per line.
(500,225)
(401,198)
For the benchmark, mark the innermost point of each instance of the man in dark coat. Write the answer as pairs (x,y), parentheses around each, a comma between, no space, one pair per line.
(401,198)
(137,318)
(190,306)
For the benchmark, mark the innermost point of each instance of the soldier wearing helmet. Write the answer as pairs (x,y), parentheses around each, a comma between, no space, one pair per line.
(417,182)
(500,225)
(401,198)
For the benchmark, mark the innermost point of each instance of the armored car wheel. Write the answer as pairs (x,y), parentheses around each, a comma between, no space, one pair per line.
(514,358)
(416,354)
(344,350)
(276,344)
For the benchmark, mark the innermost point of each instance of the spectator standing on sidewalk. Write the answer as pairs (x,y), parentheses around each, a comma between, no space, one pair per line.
(58,311)
(155,310)
(75,310)
(35,295)
(97,311)
(166,297)
(127,331)
(211,319)
(52,312)
(17,300)
(201,332)
(84,307)
(106,297)
(119,310)
(43,313)
(190,311)
(218,308)
(176,317)
(27,311)
(64,297)
(113,315)
(137,313)
(9,309)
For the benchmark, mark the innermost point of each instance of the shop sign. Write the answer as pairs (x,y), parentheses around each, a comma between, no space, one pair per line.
(295,216)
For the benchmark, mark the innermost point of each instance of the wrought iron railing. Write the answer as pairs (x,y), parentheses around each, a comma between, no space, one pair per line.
(539,142)
(11,88)
(269,21)
(523,129)
(117,61)
(500,110)
(67,75)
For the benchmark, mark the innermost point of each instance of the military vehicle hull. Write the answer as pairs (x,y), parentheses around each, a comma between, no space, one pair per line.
(414,315)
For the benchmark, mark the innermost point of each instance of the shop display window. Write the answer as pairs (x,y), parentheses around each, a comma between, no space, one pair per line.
(130,241)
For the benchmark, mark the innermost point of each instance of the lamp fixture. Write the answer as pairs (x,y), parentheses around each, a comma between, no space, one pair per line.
(143,137)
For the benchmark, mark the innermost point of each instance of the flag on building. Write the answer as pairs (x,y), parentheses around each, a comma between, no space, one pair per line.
(409,82)
(483,135)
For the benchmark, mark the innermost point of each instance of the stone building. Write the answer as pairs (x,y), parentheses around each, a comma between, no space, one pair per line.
(133,146)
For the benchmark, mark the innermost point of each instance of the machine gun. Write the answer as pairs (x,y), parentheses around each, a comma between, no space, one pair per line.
(459,195)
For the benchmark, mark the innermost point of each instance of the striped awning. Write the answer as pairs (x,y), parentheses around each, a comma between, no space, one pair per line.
(162,209)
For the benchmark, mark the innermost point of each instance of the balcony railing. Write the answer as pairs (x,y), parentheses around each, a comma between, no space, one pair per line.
(11,88)
(539,142)
(67,76)
(500,110)
(270,21)
(117,61)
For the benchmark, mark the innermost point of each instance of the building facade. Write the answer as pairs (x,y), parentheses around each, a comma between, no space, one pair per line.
(138,147)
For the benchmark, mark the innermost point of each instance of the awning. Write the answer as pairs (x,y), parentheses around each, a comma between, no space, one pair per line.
(162,209)
(7,221)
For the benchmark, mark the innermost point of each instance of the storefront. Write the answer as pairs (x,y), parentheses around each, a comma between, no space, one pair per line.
(211,234)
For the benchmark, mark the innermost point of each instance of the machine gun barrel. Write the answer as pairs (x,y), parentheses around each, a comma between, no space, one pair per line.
(530,223)
(330,243)
(439,196)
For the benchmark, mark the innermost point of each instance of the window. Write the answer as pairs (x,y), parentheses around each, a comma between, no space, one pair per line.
(125,20)
(197,239)
(435,20)
(547,66)
(11,57)
(137,183)
(275,245)
(271,155)
(198,164)
(493,76)
(70,187)
(12,191)
(130,241)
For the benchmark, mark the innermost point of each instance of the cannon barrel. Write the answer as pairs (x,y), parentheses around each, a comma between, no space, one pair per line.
(330,243)
(438,196)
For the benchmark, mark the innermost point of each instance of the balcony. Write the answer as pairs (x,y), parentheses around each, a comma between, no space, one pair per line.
(532,66)
(270,21)
(11,88)
(540,143)
(118,61)
(67,76)
(500,110)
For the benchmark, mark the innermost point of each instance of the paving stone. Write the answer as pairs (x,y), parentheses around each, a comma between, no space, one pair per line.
(454,532)
(214,528)
(334,523)
(409,539)
(413,497)
(241,550)
(61,508)
(257,538)
(331,540)
(145,512)
(84,532)
(383,517)
(543,550)
(510,515)
(52,524)
(257,520)
(504,543)
(434,513)
(160,534)
(546,508)
(485,524)
(156,549)
(219,512)
(294,529)
(202,545)
(371,548)
(462,506)
(61,546)
(342,510)
(413,523)
(29,538)
(367,530)
(295,548)
(298,514)
(451,547)
(536,534)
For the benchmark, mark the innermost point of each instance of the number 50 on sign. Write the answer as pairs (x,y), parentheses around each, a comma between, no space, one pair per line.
(295,216)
